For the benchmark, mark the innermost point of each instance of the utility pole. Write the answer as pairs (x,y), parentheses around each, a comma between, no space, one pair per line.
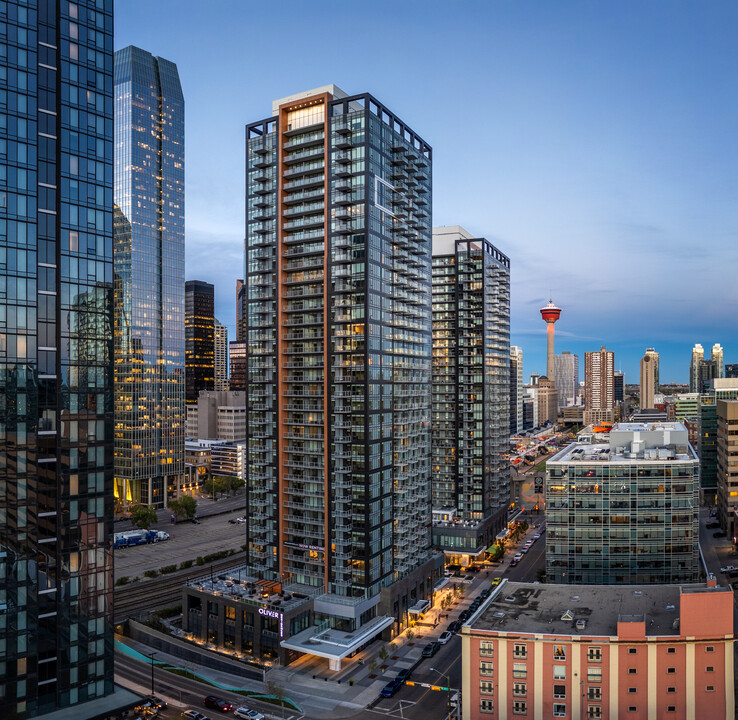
(151,656)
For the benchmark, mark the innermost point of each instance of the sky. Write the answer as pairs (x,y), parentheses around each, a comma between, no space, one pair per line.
(595,143)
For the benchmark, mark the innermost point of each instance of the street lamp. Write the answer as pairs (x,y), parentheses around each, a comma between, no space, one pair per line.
(448,687)
(151,656)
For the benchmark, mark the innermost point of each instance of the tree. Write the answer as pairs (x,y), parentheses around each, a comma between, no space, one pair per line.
(143,515)
(184,507)
(275,689)
(410,633)
(236,483)
(217,485)
(383,653)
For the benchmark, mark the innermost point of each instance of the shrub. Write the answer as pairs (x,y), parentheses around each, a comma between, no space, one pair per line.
(186,564)
(168,569)
(121,581)
(150,573)
(199,561)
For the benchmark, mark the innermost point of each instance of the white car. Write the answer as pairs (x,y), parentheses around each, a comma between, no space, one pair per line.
(727,568)
(246,714)
(445,637)
(194,715)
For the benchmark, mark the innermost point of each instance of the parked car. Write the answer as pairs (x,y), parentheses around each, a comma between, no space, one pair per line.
(404,675)
(445,637)
(496,581)
(391,688)
(518,557)
(431,649)
(718,534)
(514,561)
(217,704)
(712,525)
(465,616)
(194,715)
(454,627)
(537,536)
(486,593)
(245,714)
(727,568)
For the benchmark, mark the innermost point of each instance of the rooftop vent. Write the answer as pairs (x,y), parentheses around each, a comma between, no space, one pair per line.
(671,607)
(568,615)
(499,614)
(637,593)
(581,624)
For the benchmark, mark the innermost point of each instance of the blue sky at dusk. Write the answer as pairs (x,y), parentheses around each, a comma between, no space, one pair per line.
(594,143)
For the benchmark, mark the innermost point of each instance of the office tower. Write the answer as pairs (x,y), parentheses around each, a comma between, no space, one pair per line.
(240,306)
(218,415)
(655,362)
(550,314)
(698,356)
(638,652)
(548,401)
(530,412)
(625,511)
(238,370)
(618,385)
(731,371)
(599,396)
(199,338)
(220,339)
(338,320)
(649,365)
(566,378)
(717,357)
(516,389)
(56,364)
(727,466)
(149,269)
(470,418)
(534,379)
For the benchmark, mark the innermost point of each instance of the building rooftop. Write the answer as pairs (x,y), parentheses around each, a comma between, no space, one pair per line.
(650,441)
(560,609)
(445,237)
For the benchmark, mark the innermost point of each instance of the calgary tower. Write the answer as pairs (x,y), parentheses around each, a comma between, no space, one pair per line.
(550,314)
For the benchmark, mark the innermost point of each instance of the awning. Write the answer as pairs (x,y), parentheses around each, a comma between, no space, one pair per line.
(419,608)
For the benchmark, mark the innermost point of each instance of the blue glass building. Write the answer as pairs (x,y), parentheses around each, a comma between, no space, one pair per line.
(56,362)
(149,278)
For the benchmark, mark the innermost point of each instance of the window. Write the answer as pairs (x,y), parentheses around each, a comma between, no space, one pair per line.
(520,707)
(594,654)
(520,689)
(560,692)
(671,708)
(632,690)
(671,651)
(520,670)
(594,712)
(559,710)
(671,690)
(559,652)
(594,693)
(594,675)
(486,687)
(486,706)
(710,648)
(632,651)
(486,668)
(632,671)
(559,672)
(709,668)
(632,708)
(486,648)
(710,688)
(670,671)
(520,651)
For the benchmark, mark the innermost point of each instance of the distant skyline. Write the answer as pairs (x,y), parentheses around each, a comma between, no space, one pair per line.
(593,143)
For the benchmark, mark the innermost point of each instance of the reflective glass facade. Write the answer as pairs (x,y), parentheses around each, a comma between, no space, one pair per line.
(471,391)
(338,323)
(149,278)
(199,338)
(56,332)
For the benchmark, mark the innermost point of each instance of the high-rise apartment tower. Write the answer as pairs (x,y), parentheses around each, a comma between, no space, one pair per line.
(566,378)
(56,359)
(220,338)
(149,273)
(470,418)
(516,389)
(338,320)
(649,378)
(599,400)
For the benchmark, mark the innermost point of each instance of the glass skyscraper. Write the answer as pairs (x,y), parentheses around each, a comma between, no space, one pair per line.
(56,363)
(199,338)
(149,278)
(471,393)
(338,321)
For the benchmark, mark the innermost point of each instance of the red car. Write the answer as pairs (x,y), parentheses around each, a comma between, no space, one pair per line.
(215,703)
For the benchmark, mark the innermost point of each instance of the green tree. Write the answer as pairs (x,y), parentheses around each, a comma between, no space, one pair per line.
(383,653)
(184,507)
(409,633)
(236,483)
(143,515)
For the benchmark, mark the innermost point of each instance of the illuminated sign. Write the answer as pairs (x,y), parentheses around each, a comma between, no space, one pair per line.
(274,614)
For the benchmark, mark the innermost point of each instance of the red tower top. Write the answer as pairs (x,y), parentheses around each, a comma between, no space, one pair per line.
(550,313)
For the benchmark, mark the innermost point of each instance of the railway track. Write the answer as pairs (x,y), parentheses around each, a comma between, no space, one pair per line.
(165,590)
